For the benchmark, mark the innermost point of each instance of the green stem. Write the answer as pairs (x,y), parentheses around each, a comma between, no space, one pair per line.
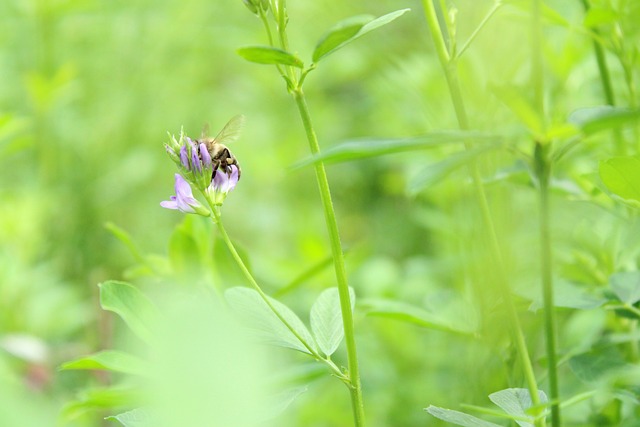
(543,170)
(633,344)
(267,29)
(215,215)
(338,261)
(450,70)
(625,306)
(605,79)
(544,173)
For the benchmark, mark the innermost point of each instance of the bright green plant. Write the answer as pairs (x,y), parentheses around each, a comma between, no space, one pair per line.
(529,273)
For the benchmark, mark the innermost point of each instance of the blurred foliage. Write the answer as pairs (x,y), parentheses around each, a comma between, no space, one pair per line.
(88,90)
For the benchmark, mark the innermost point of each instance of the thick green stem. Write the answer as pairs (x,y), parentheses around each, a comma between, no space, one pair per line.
(449,65)
(543,170)
(338,261)
(546,257)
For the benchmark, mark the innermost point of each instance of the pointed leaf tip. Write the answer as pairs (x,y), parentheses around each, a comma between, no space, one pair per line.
(350,29)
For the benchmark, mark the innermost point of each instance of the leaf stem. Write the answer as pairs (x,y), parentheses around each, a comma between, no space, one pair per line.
(449,67)
(338,261)
(215,216)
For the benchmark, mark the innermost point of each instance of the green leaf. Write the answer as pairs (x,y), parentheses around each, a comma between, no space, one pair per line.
(130,304)
(597,16)
(440,170)
(626,286)
(458,418)
(124,237)
(277,404)
(595,119)
(109,360)
(566,295)
(339,35)
(621,176)
(349,30)
(269,55)
(592,365)
(513,98)
(326,320)
(412,314)
(267,326)
(516,402)
(365,148)
(134,418)
(101,399)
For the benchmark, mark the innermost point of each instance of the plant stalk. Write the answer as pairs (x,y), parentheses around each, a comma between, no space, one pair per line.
(543,169)
(338,260)
(546,258)
(449,66)
(605,79)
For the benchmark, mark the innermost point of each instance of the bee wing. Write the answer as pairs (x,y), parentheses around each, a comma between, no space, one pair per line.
(231,131)
(205,131)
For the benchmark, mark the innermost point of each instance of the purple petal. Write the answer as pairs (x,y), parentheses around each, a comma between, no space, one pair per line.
(182,187)
(184,205)
(204,154)
(220,181)
(234,177)
(169,204)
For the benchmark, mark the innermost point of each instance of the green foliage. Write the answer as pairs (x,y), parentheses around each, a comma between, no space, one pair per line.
(621,175)
(131,305)
(350,29)
(596,119)
(133,418)
(458,418)
(366,148)
(268,327)
(515,402)
(110,360)
(326,320)
(626,286)
(86,97)
(269,55)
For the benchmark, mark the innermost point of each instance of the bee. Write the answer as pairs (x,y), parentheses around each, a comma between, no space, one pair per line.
(221,156)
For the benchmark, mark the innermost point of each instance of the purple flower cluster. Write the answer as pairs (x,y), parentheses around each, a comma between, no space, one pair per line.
(197,168)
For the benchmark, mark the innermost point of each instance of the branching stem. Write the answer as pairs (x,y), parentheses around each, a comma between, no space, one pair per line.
(449,66)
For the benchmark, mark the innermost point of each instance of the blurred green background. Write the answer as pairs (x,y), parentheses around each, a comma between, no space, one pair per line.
(89,89)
